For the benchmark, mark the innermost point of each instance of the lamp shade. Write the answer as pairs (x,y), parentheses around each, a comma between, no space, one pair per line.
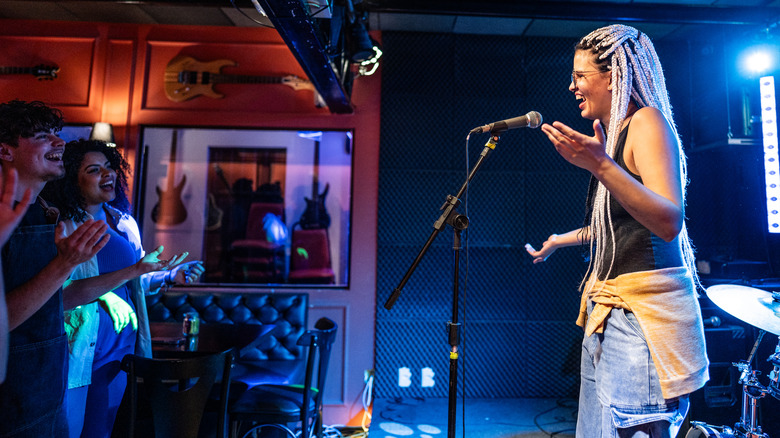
(103,131)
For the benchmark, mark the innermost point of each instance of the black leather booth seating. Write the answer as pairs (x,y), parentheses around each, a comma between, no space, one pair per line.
(277,359)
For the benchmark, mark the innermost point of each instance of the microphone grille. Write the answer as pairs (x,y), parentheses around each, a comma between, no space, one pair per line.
(534,119)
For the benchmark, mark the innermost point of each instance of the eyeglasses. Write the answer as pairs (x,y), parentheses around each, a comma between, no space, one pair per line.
(579,74)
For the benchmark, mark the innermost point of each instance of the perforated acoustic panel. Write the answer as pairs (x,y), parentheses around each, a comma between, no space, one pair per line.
(519,337)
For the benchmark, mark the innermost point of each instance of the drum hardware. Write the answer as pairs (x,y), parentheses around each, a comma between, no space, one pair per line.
(752,392)
(774,375)
(703,430)
(760,309)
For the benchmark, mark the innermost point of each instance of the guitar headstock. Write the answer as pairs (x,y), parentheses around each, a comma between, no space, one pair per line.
(45,72)
(297,83)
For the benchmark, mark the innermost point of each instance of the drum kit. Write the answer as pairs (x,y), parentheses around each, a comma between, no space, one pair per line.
(760,309)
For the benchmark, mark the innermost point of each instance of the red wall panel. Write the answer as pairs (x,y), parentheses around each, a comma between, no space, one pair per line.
(73,56)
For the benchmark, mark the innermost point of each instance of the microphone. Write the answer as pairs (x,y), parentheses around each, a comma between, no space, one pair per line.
(530,120)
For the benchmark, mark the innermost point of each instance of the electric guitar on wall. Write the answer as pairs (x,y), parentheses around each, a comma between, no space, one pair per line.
(170,209)
(315,215)
(186,78)
(42,72)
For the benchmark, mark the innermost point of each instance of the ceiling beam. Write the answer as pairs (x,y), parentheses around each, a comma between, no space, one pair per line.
(303,37)
(588,11)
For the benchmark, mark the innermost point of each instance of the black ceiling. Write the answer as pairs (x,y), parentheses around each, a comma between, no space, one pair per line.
(660,19)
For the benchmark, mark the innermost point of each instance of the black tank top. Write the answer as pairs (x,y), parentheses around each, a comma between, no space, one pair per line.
(637,248)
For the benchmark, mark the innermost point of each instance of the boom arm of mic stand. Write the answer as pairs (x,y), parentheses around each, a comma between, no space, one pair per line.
(448,216)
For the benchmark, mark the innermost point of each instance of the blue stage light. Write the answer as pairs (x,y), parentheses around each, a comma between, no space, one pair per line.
(759,60)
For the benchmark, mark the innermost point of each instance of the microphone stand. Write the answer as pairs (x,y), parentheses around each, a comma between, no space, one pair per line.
(458,222)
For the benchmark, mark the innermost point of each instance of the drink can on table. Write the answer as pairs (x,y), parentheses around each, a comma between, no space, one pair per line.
(190,324)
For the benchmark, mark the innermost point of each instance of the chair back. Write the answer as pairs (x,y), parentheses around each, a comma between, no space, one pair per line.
(320,342)
(310,260)
(177,391)
(310,249)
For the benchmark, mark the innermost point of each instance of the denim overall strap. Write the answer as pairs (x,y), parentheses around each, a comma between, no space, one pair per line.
(32,397)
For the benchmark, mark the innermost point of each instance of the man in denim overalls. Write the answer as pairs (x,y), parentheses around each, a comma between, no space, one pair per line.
(36,261)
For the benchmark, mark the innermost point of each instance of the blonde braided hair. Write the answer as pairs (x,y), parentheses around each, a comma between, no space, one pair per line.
(636,75)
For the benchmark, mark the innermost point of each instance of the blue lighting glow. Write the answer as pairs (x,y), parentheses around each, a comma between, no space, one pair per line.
(759,60)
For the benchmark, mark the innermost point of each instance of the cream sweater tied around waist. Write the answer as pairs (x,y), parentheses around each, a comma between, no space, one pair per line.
(665,304)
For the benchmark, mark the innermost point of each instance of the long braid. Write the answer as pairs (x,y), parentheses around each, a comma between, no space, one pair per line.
(636,75)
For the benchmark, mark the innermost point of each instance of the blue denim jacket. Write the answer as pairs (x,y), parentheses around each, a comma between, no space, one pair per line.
(81,323)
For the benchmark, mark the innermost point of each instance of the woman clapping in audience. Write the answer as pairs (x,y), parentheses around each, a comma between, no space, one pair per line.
(98,337)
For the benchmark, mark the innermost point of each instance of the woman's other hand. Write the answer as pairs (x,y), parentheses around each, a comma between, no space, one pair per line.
(548,247)
(120,311)
(188,273)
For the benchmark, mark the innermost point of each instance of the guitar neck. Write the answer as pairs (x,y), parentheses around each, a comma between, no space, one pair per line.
(315,186)
(172,160)
(213,78)
(16,70)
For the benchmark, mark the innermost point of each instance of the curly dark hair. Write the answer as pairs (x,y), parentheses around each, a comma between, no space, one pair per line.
(23,119)
(65,193)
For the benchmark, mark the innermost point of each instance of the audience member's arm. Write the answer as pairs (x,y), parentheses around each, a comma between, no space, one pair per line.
(78,292)
(73,250)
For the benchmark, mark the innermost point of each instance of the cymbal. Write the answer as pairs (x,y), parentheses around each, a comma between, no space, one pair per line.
(754,306)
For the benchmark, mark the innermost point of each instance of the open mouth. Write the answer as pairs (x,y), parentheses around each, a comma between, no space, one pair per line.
(109,185)
(54,156)
(581,101)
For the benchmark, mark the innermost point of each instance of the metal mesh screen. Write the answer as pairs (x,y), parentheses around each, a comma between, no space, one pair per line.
(519,338)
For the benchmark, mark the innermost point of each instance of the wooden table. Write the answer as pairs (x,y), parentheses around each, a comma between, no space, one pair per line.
(167,337)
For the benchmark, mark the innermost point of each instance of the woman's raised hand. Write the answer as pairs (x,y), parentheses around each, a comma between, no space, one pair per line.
(578,149)
(151,261)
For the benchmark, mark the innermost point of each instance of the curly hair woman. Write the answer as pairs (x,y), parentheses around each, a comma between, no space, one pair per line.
(99,333)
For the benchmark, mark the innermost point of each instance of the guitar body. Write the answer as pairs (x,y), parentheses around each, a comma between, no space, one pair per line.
(181,84)
(170,209)
(315,216)
(214,214)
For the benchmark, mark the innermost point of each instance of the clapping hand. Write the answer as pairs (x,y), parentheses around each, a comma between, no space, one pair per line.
(83,244)
(151,261)
(10,215)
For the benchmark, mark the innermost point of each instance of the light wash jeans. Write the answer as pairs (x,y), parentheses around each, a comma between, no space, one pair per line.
(620,395)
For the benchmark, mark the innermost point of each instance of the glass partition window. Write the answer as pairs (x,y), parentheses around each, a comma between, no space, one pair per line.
(258,207)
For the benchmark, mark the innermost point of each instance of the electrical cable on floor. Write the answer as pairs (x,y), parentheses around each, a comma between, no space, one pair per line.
(366,398)
(331,432)
(561,403)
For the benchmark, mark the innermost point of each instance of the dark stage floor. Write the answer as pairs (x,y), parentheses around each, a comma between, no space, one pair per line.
(485,418)
(516,418)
